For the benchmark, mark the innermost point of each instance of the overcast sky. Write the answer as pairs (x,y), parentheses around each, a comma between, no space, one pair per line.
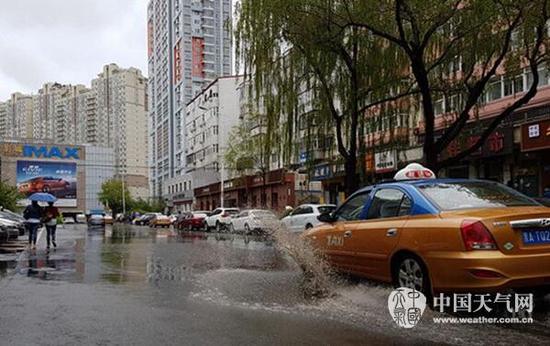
(68,41)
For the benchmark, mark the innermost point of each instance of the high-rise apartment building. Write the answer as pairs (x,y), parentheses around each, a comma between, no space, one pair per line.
(120,121)
(189,45)
(16,117)
(112,113)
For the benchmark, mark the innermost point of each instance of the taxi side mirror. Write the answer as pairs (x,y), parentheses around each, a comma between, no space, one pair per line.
(326,217)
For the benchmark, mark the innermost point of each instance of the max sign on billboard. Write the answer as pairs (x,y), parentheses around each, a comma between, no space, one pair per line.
(51,152)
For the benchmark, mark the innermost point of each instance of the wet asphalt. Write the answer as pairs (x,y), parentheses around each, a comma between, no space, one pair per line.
(139,286)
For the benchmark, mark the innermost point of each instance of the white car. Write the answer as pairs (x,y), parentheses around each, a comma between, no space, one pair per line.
(219,218)
(305,216)
(254,221)
(96,220)
(80,218)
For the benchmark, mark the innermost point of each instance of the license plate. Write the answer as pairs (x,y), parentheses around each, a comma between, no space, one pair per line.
(538,236)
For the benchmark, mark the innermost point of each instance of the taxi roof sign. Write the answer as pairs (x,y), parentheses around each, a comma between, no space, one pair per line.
(414,171)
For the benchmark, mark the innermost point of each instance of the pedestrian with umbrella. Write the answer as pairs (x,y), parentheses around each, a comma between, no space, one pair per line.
(50,219)
(34,214)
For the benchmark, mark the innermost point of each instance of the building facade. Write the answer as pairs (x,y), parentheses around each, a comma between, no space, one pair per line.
(120,122)
(16,117)
(111,113)
(73,173)
(189,45)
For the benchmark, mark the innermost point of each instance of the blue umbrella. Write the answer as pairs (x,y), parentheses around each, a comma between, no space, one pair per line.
(42,197)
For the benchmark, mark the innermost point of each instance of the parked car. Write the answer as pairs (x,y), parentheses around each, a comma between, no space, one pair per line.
(11,215)
(160,221)
(144,219)
(254,221)
(80,218)
(10,227)
(191,221)
(305,216)
(43,184)
(108,219)
(440,236)
(17,219)
(96,220)
(4,236)
(219,218)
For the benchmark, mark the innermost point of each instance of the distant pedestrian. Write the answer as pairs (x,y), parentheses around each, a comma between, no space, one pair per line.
(33,214)
(51,215)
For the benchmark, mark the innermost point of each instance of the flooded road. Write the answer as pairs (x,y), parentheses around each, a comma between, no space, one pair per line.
(134,285)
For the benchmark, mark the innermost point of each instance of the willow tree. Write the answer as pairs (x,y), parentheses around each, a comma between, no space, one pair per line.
(454,50)
(250,148)
(304,63)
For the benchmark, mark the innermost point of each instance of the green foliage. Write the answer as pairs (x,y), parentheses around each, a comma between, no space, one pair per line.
(454,50)
(9,195)
(143,206)
(111,196)
(314,78)
(250,146)
(336,61)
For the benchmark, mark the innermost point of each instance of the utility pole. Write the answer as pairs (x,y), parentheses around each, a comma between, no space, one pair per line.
(222,172)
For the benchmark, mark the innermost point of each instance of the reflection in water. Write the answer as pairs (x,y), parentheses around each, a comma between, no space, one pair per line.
(6,267)
(45,266)
(123,254)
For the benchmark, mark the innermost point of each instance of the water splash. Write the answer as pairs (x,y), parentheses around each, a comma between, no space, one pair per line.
(319,279)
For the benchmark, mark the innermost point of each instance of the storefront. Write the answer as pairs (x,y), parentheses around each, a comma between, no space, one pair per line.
(533,174)
(332,178)
(274,191)
(493,161)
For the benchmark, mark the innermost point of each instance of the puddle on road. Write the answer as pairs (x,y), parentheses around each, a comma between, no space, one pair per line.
(234,272)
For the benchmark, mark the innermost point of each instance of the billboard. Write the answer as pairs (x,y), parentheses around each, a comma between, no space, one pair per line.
(57,178)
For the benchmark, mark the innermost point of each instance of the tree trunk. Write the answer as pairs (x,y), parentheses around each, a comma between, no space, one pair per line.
(351,183)
(431,157)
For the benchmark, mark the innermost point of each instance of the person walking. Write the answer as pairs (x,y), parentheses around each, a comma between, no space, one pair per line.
(51,215)
(33,214)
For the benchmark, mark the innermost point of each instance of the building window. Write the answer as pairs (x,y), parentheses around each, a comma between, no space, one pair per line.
(494,90)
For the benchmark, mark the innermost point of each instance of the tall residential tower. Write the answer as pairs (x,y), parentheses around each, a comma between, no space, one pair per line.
(189,46)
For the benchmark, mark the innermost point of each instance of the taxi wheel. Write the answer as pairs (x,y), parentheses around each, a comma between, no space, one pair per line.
(409,271)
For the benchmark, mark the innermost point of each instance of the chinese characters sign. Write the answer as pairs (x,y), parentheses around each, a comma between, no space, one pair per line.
(535,136)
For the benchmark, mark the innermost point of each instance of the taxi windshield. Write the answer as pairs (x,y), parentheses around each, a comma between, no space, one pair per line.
(473,194)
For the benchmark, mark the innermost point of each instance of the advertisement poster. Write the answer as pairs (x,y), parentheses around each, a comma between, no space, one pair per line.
(57,178)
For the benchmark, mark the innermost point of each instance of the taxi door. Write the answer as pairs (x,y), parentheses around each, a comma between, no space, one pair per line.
(337,242)
(373,240)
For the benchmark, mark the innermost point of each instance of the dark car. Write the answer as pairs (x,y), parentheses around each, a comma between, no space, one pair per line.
(4,236)
(10,227)
(145,219)
(191,221)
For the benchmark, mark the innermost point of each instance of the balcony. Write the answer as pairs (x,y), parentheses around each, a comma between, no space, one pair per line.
(395,135)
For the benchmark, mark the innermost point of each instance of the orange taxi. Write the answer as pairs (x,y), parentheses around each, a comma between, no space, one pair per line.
(440,235)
